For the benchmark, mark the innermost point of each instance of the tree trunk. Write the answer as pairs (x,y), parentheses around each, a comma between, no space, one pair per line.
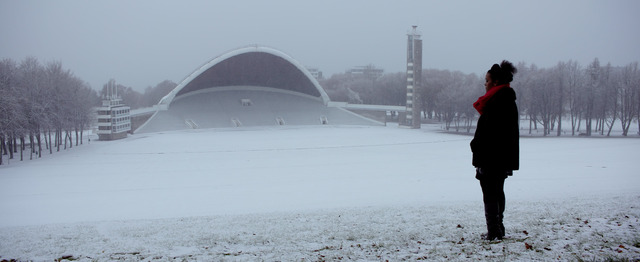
(587,126)
(625,129)
(613,121)
(70,139)
(21,148)
(58,138)
(50,144)
(46,143)
(579,124)
(573,125)
(11,146)
(31,149)
(1,146)
(15,144)
(39,144)
(610,127)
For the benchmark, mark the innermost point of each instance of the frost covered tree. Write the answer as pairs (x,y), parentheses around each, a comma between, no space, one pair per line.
(629,95)
(524,82)
(130,97)
(574,79)
(434,82)
(449,95)
(546,98)
(10,115)
(607,100)
(593,80)
(152,95)
(592,94)
(387,89)
(390,89)
(37,100)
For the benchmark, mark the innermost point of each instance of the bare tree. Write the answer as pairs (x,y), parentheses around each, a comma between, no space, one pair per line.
(528,104)
(390,89)
(637,88)
(593,80)
(152,95)
(33,100)
(130,97)
(629,82)
(574,84)
(562,81)
(608,100)
(448,96)
(547,97)
(37,99)
(10,115)
(473,88)
(434,83)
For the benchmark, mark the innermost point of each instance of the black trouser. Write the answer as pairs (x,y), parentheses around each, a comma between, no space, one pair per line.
(492,184)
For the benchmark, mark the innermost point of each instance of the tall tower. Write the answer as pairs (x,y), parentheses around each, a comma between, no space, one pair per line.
(414,76)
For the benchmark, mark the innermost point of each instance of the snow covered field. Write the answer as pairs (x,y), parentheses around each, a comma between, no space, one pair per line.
(314,194)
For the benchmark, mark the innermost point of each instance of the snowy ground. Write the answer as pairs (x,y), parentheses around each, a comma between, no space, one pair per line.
(317,193)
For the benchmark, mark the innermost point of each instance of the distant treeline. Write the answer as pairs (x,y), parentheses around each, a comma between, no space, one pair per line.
(135,99)
(592,98)
(597,96)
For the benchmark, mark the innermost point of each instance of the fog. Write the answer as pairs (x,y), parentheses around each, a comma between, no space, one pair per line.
(141,43)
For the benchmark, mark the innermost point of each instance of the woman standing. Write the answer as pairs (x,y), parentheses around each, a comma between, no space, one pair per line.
(495,145)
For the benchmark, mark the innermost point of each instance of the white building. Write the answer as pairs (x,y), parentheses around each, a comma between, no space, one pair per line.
(114,120)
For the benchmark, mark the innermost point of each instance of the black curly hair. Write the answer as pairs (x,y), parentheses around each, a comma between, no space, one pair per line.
(503,73)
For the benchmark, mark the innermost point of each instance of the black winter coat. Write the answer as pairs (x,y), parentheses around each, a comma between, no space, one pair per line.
(495,145)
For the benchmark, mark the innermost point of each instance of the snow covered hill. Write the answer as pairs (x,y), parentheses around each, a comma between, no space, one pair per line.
(317,193)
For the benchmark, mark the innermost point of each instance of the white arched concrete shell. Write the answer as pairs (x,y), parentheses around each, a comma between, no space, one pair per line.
(165,102)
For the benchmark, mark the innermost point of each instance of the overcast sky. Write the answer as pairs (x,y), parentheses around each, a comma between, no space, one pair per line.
(141,43)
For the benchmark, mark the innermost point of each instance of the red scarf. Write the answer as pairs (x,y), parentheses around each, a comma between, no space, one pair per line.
(482,101)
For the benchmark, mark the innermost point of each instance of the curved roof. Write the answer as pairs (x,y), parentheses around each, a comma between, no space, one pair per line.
(251,66)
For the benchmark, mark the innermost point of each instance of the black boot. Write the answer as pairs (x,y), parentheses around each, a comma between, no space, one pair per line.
(490,237)
(501,215)
(493,198)
(494,232)
(495,229)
